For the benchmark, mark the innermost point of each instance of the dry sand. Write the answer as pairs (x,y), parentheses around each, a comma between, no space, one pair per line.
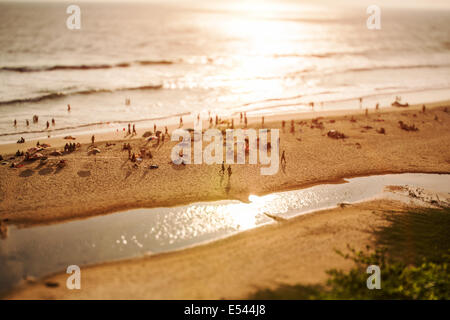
(108,182)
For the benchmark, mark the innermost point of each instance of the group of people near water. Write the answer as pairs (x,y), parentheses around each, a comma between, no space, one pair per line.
(35,120)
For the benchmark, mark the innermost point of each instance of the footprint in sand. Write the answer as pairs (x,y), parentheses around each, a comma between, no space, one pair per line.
(45,171)
(26,173)
(84,174)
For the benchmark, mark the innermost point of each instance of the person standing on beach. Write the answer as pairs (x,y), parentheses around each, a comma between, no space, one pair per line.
(166,130)
(181,122)
(229,171)
(129,128)
(28,122)
(68,107)
(222,170)
(53,121)
(48,124)
(93,139)
(240,121)
(15,123)
(154,128)
(245,121)
(283,158)
(292,126)
(262,121)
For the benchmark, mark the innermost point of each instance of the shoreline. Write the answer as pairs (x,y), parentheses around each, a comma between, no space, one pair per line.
(327,164)
(114,134)
(420,96)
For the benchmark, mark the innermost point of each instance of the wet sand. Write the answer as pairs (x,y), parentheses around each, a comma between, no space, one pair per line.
(108,182)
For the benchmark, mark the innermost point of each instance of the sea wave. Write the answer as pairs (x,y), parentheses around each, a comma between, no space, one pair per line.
(58,95)
(23,69)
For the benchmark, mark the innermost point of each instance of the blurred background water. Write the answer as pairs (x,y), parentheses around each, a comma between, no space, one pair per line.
(221,56)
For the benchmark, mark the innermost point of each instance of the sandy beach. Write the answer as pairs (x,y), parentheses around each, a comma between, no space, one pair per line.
(108,182)
(299,250)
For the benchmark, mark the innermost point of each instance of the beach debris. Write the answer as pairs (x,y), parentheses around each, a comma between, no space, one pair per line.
(400,105)
(147,134)
(274,217)
(36,156)
(56,153)
(381,131)
(336,134)
(406,127)
(69,138)
(397,103)
(317,124)
(94,151)
(367,127)
(343,204)
(15,165)
(358,145)
(61,164)
(51,284)
(34,150)
(153,166)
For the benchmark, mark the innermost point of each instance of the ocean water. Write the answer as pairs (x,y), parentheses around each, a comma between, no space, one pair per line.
(221,57)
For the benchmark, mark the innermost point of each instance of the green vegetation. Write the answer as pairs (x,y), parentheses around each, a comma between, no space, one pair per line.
(413,254)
